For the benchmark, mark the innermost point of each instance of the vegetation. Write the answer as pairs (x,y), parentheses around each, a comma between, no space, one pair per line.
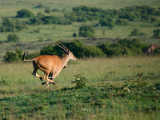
(11,25)
(156,33)
(12,38)
(24,13)
(124,47)
(128,89)
(99,86)
(13,56)
(77,47)
(86,31)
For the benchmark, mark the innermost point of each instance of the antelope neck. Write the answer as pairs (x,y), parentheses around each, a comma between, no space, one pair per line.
(65,60)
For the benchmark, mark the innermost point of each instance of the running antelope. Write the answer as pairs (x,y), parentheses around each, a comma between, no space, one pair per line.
(51,65)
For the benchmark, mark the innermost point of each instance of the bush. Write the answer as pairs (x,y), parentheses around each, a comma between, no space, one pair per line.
(47,10)
(35,21)
(121,22)
(92,51)
(11,25)
(31,55)
(77,47)
(13,56)
(49,20)
(106,22)
(156,33)
(123,47)
(74,35)
(134,32)
(86,31)
(80,81)
(12,38)
(24,13)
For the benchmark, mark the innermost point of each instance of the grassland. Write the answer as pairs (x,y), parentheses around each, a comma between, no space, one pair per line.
(52,33)
(120,88)
(116,88)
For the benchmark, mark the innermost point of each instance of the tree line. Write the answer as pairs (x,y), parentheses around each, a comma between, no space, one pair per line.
(124,47)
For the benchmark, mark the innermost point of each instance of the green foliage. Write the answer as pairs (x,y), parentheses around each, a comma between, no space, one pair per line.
(123,47)
(92,51)
(11,25)
(86,31)
(12,38)
(106,22)
(77,47)
(134,32)
(74,35)
(24,13)
(47,10)
(31,55)
(13,56)
(156,33)
(80,81)
(49,20)
(35,21)
(121,22)
(84,13)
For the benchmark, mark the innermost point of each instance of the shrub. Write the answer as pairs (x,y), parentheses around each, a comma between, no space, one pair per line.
(80,81)
(31,55)
(92,51)
(12,38)
(13,56)
(123,47)
(74,35)
(49,20)
(35,21)
(24,13)
(77,47)
(47,10)
(106,22)
(11,25)
(86,31)
(134,32)
(156,33)
(121,22)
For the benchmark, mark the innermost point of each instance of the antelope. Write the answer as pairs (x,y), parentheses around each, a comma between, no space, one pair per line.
(51,65)
(152,48)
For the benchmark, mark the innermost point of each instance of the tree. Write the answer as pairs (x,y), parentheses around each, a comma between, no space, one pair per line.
(24,13)
(86,31)
(12,38)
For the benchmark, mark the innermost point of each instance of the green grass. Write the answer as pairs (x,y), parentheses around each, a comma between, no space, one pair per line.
(116,88)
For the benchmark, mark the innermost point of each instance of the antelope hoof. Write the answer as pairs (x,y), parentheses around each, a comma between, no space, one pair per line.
(43,83)
(41,78)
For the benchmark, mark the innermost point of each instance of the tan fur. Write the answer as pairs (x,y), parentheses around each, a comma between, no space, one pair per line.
(152,48)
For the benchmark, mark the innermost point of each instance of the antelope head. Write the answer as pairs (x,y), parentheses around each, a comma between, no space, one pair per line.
(68,52)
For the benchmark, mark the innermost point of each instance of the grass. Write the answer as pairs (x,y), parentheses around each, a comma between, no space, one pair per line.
(116,88)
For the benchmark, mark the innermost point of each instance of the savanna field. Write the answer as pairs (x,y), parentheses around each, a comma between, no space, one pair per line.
(112,78)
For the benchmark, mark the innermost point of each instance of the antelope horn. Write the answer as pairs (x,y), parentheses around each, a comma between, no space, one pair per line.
(63,48)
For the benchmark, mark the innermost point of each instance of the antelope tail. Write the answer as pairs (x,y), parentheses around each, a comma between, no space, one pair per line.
(25,59)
